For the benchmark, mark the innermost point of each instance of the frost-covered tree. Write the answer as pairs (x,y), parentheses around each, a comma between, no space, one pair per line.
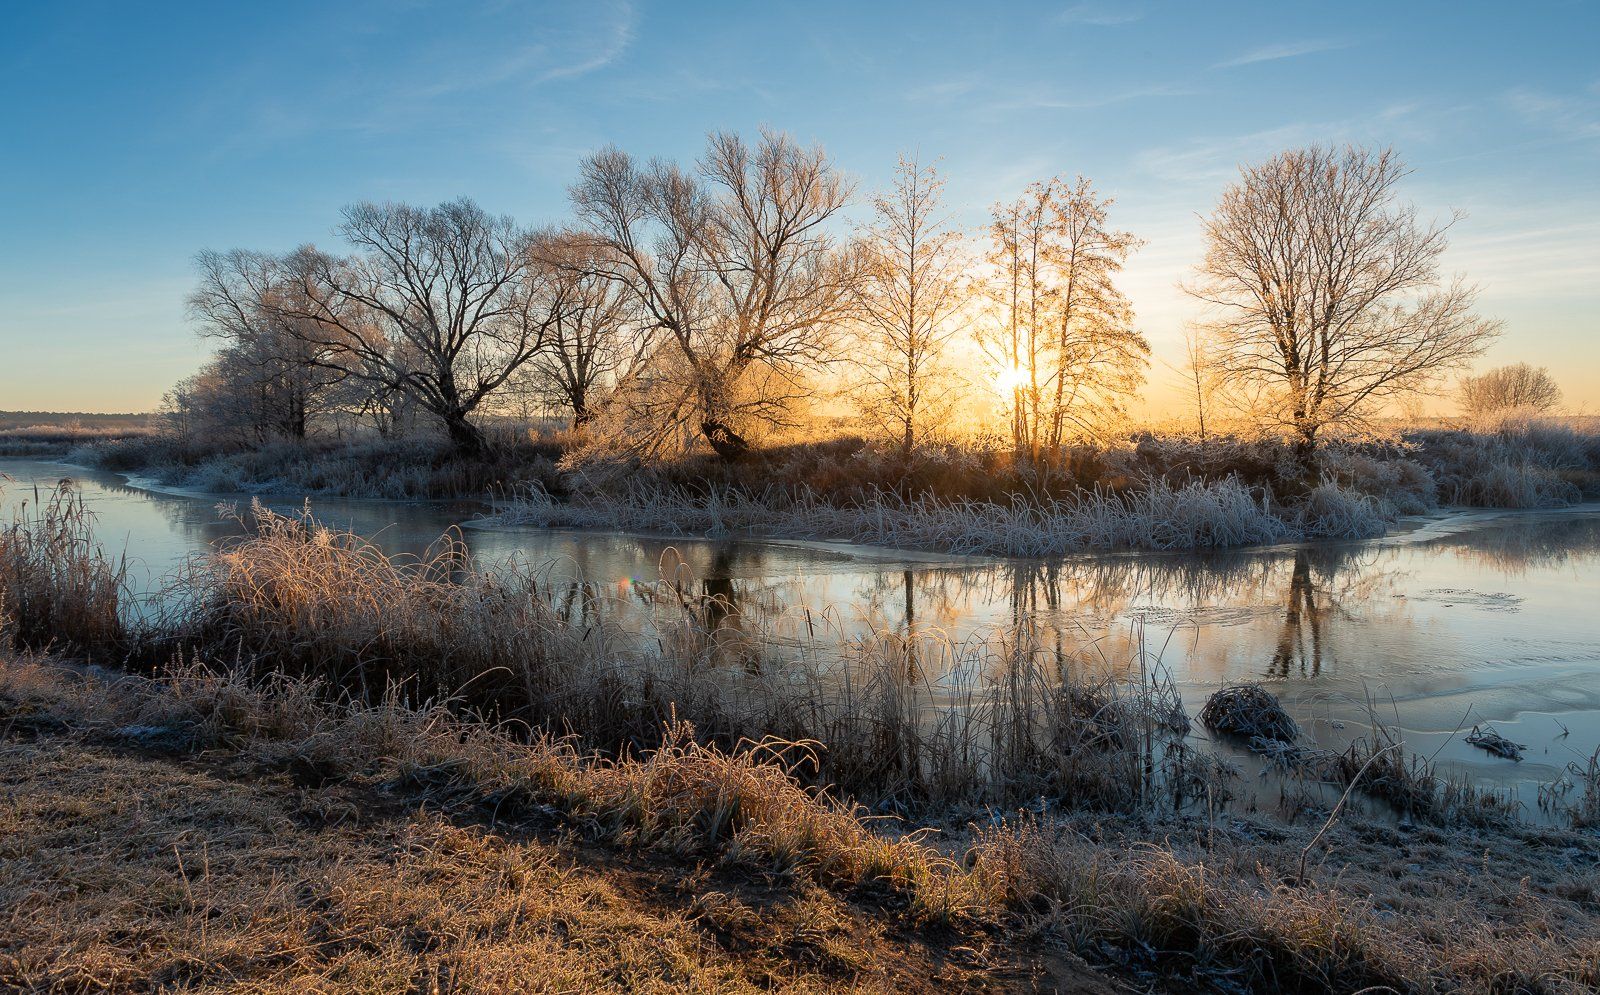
(1324,292)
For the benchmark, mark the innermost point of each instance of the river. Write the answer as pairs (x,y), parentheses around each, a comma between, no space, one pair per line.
(1452,621)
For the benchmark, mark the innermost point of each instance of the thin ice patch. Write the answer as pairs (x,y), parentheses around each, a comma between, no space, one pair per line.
(1452,597)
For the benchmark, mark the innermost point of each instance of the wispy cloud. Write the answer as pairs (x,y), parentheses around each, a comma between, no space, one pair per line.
(1100,15)
(617,36)
(1538,256)
(1207,161)
(1088,100)
(1572,118)
(1282,50)
(517,56)
(943,90)
(592,47)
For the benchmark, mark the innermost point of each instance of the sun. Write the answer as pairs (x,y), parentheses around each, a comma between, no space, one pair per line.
(1008,379)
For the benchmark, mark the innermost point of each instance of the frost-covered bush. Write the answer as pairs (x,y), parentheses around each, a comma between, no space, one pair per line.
(1330,511)
(1403,484)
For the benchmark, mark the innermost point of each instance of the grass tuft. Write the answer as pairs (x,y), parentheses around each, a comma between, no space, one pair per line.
(1249,712)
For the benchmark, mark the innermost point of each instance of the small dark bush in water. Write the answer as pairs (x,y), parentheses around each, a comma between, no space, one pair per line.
(1486,738)
(1250,712)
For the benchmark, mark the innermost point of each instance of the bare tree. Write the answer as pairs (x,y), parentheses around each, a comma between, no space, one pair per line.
(279,375)
(1506,388)
(1198,377)
(1020,251)
(229,402)
(733,264)
(1325,292)
(911,295)
(585,344)
(443,304)
(1065,334)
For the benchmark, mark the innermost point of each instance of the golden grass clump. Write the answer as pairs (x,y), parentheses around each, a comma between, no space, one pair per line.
(60,588)
(127,873)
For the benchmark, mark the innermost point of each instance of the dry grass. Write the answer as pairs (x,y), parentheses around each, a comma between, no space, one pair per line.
(1413,786)
(1159,515)
(44,435)
(1424,912)
(217,879)
(397,469)
(1249,712)
(130,873)
(1149,490)
(1576,794)
(56,584)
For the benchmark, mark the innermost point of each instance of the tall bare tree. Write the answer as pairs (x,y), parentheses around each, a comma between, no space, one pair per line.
(444,304)
(733,264)
(1507,388)
(1065,329)
(585,344)
(1020,258)
(911,296)
(1325,293)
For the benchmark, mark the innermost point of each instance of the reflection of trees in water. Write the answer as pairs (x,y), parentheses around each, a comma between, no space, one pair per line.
(1303,614)
(1098,608)
(731,619)
(1328,585)
(1518,548)
(578,604)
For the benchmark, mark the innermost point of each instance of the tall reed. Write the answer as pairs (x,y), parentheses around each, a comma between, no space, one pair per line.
(58,585)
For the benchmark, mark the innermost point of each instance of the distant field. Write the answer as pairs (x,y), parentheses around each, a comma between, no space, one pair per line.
(54,433)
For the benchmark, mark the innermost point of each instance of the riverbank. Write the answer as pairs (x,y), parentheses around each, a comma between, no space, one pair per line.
(52,435)
(1148,492)
(151,844)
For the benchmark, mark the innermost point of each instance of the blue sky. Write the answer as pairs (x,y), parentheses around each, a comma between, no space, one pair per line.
(135,135)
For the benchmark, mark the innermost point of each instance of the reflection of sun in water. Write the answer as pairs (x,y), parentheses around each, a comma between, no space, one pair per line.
(1010,378)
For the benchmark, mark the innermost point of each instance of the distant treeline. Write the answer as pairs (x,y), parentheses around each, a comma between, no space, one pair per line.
(57,419)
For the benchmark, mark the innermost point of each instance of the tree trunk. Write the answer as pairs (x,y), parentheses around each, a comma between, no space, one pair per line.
(1305,455)
(727,443)
(297,417)
(582,414)
(464,436)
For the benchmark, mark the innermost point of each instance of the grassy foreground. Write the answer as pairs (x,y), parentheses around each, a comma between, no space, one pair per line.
(136,861)
(198,832)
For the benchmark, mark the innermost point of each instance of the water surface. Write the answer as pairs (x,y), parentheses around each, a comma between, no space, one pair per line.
(1483,618)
